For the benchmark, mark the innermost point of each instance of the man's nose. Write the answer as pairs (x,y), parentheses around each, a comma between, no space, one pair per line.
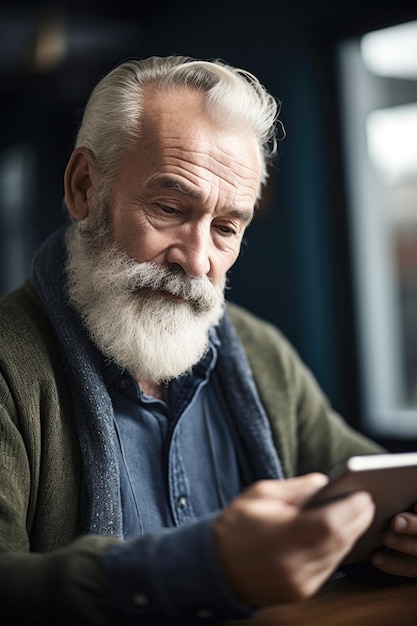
(192,251)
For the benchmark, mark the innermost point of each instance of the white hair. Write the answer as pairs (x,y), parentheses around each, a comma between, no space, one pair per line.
(110,124)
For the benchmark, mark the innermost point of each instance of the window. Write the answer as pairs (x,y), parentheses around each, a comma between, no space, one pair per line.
(17,192)
(378,95)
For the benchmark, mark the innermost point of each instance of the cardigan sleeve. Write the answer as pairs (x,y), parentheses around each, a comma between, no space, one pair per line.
(172,574)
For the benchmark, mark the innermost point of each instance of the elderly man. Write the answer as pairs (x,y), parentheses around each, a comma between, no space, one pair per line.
(157,441)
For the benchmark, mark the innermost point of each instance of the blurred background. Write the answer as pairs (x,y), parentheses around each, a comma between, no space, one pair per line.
(332,255)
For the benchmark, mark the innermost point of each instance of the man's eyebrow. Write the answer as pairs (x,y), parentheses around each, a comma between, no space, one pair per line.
(167,182)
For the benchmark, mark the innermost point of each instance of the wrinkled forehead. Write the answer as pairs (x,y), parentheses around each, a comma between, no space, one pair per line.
(176,120)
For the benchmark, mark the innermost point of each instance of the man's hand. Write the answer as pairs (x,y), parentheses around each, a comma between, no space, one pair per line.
(273,551)
(401,539)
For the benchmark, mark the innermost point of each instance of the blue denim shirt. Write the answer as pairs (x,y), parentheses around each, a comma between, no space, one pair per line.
(180,463)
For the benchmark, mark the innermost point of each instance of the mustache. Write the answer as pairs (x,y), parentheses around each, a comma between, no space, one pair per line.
(199,292)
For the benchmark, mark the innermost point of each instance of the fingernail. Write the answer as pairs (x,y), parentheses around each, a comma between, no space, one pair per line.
(400,523)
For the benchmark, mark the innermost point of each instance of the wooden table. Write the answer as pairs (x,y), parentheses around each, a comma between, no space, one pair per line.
(345,602)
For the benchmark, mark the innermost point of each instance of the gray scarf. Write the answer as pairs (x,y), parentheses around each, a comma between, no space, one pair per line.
(101,511)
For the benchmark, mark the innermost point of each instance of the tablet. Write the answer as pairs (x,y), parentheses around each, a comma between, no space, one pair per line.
(392,481)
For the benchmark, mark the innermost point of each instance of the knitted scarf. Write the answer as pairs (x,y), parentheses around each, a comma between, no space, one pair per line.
(101,510)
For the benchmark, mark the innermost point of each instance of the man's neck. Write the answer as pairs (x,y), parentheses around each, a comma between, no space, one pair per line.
(156,390)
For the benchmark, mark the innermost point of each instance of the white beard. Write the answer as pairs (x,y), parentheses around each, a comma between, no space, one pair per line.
(129,318)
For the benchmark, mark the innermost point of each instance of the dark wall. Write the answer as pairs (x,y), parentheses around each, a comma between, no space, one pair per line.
(295,268)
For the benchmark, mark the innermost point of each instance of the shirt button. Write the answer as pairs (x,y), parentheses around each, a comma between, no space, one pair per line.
(182,502)
(124,383)
(204,613)
(140,599)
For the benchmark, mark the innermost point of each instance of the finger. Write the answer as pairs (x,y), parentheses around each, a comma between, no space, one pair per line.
(291,490)
(401,543)
(404,523)
(395,563)
(341,521)
(300,488)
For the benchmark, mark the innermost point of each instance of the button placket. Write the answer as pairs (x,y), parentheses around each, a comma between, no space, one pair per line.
(178,483)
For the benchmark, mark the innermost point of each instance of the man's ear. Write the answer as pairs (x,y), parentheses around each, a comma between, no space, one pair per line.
(78,182)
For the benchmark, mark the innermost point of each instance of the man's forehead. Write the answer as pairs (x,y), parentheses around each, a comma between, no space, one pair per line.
(171,104)
(177,129)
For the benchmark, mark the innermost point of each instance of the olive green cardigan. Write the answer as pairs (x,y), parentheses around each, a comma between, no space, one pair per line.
(43,561)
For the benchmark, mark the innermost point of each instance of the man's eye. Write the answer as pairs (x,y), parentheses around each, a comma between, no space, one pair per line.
(226,230)
(167,209)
